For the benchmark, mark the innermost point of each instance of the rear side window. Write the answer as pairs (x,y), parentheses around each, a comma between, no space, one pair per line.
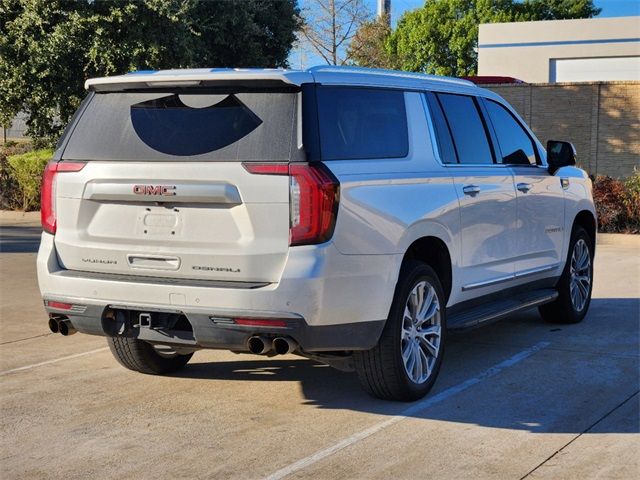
(443,134)
(214,125)
(361,123)
(515,144)
(467,128)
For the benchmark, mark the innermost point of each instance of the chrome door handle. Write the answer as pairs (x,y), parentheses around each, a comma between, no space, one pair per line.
(523,187)
(472,190)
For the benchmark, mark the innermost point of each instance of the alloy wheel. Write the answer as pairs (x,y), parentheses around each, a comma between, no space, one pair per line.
(421,332)
(580,271)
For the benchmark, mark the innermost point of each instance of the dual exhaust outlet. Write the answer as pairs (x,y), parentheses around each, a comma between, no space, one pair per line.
(62,326)
(260,345)
(257,344)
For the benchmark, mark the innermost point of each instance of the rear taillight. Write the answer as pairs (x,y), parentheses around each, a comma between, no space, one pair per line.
(48,192)
(313,199)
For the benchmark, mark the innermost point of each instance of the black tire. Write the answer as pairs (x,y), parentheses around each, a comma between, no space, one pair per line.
(142,357)
(381,370)
(562,310)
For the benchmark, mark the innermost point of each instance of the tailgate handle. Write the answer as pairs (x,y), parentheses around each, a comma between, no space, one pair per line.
(156,262)
(163,192)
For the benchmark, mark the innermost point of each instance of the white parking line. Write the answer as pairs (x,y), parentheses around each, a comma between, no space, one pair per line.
(55,360)
(414,409)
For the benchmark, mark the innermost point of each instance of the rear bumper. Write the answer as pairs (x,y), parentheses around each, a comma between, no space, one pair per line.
(208,334)
(330,301)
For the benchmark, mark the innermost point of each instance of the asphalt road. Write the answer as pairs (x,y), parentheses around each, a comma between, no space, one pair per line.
(518,399)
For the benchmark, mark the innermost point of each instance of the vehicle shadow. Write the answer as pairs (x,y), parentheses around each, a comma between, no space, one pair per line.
(19,239)
(584,372)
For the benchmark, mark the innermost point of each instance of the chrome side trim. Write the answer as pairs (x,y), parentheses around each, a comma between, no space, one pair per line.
(494,281)
(517,275)
(534,271)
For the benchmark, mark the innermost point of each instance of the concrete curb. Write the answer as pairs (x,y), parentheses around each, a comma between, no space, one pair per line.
(11,217)
(619,239)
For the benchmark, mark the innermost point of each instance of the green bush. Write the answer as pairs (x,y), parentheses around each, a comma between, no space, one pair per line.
(10,197)
(618,204)
(26,169)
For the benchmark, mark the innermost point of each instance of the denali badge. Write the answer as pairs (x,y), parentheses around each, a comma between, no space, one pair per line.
(215,269)
(166,190)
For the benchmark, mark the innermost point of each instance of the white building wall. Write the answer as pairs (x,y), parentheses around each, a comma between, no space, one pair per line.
(561,50)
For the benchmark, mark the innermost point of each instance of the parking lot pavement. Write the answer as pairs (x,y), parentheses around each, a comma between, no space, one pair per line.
(517,399)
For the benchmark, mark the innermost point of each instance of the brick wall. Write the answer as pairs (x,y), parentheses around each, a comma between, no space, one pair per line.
(602,119)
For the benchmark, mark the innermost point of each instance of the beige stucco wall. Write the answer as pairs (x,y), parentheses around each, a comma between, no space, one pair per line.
(531,63)
(602,119)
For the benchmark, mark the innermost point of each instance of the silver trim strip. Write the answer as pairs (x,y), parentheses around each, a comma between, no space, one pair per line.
(487,283)
(533,271)
(174,192)
(517,275)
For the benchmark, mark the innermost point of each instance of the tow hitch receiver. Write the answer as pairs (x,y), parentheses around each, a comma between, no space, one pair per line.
(121,322)
(145,320)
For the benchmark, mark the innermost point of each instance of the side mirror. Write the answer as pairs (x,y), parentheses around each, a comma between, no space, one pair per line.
(560,154)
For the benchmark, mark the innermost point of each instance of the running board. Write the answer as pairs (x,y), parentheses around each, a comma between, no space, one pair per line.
(496,310)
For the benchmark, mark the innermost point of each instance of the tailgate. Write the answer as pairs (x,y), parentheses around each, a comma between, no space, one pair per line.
(164,192)
(188,220)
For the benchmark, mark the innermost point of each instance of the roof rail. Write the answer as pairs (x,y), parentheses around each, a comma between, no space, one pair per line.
(394,73)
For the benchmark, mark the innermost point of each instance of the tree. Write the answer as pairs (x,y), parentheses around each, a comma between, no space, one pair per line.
(330,25)
(367,48)
(442,36)
(555,9)
(244,33)
(48,48)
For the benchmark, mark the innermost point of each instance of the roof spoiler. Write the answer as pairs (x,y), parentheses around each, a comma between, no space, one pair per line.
(151,79)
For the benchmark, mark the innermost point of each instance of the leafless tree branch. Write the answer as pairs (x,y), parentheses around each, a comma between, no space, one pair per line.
(330,25)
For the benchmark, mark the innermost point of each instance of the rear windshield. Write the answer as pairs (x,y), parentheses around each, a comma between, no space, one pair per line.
(190,126)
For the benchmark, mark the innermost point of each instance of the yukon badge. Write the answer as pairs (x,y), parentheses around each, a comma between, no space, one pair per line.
(166,190)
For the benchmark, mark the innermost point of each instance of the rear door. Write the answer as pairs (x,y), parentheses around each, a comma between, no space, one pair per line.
(164,191)
(485,190)
(540,197)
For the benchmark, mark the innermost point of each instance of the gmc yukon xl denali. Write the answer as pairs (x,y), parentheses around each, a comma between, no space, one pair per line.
(350,216)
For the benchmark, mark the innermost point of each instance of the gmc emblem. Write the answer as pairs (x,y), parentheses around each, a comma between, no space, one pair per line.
(166,190)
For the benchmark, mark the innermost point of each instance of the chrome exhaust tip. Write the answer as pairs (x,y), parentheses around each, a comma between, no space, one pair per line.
(53,325)
(66,328)
(284,345)
(258,345)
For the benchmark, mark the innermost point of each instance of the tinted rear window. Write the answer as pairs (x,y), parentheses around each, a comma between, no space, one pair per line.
(467,129)
(190,126)
(361,123)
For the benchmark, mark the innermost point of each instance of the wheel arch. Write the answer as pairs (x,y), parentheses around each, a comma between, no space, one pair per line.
(587,220)
(434,252)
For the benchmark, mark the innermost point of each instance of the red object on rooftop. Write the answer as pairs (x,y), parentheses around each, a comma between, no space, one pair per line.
(485,80)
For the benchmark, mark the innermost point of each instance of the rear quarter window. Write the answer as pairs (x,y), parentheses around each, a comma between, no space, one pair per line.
(361,123)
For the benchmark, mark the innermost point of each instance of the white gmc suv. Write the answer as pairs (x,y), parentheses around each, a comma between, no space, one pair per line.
(350,216)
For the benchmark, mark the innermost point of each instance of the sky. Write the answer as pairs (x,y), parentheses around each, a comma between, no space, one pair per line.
(610,8)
